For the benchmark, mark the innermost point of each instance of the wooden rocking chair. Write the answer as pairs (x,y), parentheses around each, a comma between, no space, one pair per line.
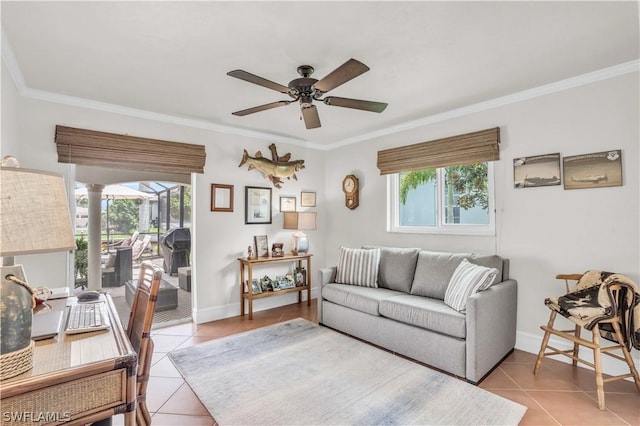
(616,322)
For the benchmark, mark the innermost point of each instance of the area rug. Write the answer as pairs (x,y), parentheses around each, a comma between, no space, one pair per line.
(299,373)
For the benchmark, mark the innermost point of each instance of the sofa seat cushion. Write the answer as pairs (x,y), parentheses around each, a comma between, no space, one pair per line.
(434,270)
(363,299)
(424,312)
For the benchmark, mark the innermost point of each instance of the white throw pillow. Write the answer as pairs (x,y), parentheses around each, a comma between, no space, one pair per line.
(466,280)
(358,267)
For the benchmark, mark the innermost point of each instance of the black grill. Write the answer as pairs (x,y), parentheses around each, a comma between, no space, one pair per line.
(176,248)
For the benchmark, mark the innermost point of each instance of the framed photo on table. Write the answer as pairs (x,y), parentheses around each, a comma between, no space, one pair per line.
(257,207)
(262,245)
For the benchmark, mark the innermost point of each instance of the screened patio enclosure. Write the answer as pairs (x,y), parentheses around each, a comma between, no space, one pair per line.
(145,208)
(159,207)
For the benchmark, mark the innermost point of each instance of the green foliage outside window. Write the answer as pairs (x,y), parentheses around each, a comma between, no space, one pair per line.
(468,181)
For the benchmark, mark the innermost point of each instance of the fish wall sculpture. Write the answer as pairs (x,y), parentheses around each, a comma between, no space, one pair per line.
(275,169)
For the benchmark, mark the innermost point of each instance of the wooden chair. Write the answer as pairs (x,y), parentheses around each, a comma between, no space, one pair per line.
(615,323)
(139,328)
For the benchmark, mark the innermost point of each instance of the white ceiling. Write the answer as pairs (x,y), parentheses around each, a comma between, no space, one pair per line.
(426,58)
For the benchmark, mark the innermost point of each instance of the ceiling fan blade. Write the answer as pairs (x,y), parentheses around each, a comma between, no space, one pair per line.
(355,103)
(251,78)
(311,117)
(261,108)
(341,75)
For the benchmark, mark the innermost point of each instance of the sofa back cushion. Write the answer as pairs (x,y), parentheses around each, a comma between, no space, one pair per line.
(434,270)
(358,267)
(397,267)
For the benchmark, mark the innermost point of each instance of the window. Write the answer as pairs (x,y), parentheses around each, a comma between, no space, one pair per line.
(447,200)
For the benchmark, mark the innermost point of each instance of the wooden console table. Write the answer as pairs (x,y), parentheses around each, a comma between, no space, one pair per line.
(76,379)
(248,264)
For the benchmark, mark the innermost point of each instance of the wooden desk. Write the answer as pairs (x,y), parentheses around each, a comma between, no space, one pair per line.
(249,263)
(76,379)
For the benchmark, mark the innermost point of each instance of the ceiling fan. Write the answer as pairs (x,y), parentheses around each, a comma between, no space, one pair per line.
(306,89)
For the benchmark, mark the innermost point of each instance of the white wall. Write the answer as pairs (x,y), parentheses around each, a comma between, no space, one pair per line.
(219,238)
(8,143)
(544,230)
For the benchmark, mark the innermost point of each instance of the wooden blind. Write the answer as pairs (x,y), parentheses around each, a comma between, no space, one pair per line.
(92,148)
(469,148)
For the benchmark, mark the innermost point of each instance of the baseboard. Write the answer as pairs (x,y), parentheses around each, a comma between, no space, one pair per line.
(233,309)
(529,342)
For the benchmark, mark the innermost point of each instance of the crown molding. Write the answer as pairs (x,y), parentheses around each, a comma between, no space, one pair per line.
(11,63)
(155,116)
(547,89)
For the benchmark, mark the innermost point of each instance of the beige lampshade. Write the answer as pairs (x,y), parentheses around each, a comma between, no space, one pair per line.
(34,213)
(299,220)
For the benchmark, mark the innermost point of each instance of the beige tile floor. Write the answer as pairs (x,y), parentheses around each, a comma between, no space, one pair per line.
(558,395)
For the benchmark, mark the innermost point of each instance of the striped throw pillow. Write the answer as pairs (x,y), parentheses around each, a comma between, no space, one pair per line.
(466,280)
(358,267)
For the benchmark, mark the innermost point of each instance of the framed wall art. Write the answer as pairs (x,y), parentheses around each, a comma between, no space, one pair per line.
(287,204)
(596,170)
(538,170)
(257,201)
(221,197)
(307,199)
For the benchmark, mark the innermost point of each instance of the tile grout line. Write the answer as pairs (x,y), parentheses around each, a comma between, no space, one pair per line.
(531,396)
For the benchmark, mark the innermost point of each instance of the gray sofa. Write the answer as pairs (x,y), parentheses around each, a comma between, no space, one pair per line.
(406,313)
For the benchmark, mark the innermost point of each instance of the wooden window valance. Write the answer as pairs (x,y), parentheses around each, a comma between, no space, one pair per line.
(93,148)
(469,148)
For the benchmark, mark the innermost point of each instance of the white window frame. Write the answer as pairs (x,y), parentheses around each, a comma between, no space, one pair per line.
(393,210)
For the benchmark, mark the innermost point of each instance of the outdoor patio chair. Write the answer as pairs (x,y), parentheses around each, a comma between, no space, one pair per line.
(127,242)
(139,331)
(139,248)
(608,305)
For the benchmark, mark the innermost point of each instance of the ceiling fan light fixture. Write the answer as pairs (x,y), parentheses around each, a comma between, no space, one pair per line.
(306,89)
(306,101)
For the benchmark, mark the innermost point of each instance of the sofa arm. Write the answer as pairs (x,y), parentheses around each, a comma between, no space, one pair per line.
(327,275)
(491,327)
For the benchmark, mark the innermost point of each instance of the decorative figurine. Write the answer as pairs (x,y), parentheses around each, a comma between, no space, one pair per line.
(250,253)
(274,169)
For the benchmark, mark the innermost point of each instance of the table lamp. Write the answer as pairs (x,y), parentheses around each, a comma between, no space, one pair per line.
(34,218)
(299,221)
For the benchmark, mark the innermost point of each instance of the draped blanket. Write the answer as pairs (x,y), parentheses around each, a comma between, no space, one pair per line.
(592,301)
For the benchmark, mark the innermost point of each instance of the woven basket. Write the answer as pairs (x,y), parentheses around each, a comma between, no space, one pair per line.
(16,362)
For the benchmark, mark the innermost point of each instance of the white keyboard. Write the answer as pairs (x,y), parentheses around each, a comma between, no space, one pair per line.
(86,317)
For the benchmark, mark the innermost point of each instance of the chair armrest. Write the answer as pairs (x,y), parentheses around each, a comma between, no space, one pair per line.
(491,327)
(569,276)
